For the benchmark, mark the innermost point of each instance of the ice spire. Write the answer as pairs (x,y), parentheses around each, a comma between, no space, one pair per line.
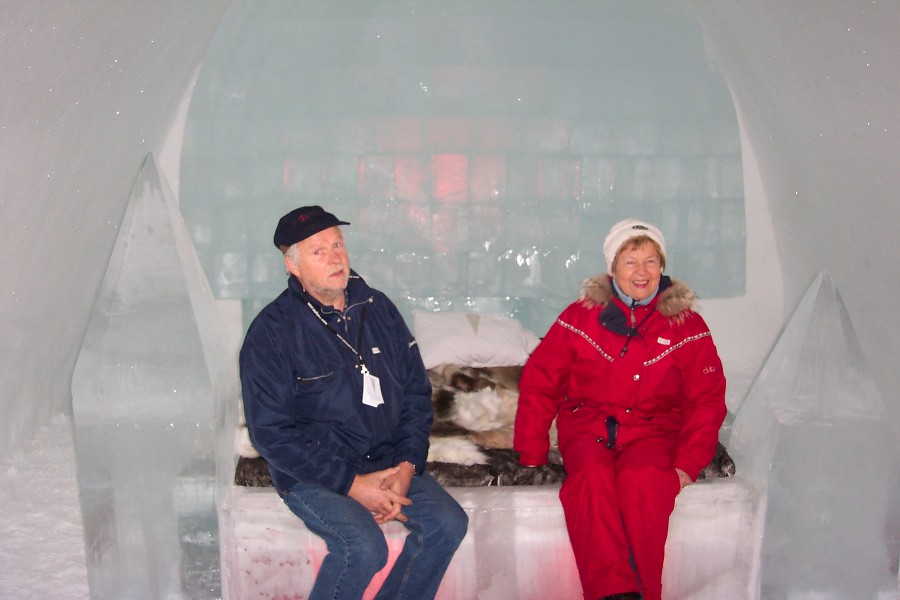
(149,390)
(814,436)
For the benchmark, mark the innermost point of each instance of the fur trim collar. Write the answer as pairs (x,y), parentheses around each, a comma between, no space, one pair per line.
(671,302)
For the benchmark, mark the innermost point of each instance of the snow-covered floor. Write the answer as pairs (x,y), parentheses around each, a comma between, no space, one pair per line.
(41,535)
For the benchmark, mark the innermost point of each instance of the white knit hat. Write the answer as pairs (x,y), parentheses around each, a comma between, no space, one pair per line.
(623,231)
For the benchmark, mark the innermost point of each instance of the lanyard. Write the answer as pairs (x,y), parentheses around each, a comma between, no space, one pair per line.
(362,322)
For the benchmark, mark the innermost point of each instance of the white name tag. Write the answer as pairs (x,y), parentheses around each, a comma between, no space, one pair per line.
(663,341)
(371,390)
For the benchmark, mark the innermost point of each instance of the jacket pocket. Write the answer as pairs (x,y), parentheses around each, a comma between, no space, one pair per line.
(306,384)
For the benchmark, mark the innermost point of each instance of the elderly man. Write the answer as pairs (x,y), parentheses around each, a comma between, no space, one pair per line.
(338,402)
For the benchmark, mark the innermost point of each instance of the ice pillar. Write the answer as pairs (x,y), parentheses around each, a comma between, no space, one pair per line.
(813,435)
(149,393)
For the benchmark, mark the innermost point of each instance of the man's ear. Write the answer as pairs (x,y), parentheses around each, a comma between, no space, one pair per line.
(289,266)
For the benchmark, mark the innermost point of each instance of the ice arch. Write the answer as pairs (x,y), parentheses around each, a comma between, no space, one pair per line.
(91,88)
(502,139)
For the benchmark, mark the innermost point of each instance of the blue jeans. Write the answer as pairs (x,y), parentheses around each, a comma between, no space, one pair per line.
(357,549)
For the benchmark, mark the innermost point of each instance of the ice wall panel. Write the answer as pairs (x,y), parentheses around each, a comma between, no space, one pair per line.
(88,88)
(814,436)
(816,88)
(479,149)
(152,388)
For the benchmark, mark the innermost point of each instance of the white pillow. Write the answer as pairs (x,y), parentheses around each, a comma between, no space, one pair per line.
(472,339)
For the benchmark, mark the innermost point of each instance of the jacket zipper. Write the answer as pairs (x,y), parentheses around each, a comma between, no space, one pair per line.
(634,328)
(366,301)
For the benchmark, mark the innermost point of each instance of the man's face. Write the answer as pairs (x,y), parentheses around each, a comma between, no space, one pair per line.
(321,264)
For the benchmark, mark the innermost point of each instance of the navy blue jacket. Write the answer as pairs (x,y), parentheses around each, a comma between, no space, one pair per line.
(302,388)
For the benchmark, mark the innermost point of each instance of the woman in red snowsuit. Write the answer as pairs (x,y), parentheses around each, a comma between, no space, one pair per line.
(632,376)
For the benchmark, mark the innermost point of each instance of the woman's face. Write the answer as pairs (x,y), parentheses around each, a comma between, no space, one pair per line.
(637,270)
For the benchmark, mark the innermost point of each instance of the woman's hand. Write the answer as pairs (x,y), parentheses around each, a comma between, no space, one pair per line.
(683,478)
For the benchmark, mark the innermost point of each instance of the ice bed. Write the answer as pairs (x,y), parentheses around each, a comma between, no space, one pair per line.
(517,546)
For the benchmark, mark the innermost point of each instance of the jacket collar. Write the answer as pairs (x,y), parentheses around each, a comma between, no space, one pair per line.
(673,300)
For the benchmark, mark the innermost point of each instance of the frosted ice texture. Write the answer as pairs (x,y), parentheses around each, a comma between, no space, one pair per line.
(517,546)
(480,150)
(150,391)
(813,435)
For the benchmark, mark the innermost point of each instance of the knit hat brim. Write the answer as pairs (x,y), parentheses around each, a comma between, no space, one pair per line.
(625,230)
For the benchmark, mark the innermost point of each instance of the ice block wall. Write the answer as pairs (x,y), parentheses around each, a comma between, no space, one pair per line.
(814,436)
(480,150)
(152,388)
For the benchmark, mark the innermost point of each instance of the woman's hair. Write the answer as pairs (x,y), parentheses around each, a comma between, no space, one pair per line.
(638,241)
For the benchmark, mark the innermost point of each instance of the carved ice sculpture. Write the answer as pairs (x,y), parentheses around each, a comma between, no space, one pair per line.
(813,435)
(149,393)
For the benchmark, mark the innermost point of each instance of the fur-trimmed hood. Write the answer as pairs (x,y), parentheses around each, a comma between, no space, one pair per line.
(674,300)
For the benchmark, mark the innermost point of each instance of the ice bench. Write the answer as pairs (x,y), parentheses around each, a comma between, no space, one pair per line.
(516,548)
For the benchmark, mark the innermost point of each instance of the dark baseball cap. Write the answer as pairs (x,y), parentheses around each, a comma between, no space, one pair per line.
(302,223)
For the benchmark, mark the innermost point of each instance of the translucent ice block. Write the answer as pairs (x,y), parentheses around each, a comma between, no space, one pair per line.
(813,435)
(485,147)
(149,392)
(517,546)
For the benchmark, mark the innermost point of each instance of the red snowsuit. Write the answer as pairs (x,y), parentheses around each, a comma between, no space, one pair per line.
(667,396)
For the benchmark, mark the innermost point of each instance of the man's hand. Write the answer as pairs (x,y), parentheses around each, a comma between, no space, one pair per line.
(399,483)
(375,494)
